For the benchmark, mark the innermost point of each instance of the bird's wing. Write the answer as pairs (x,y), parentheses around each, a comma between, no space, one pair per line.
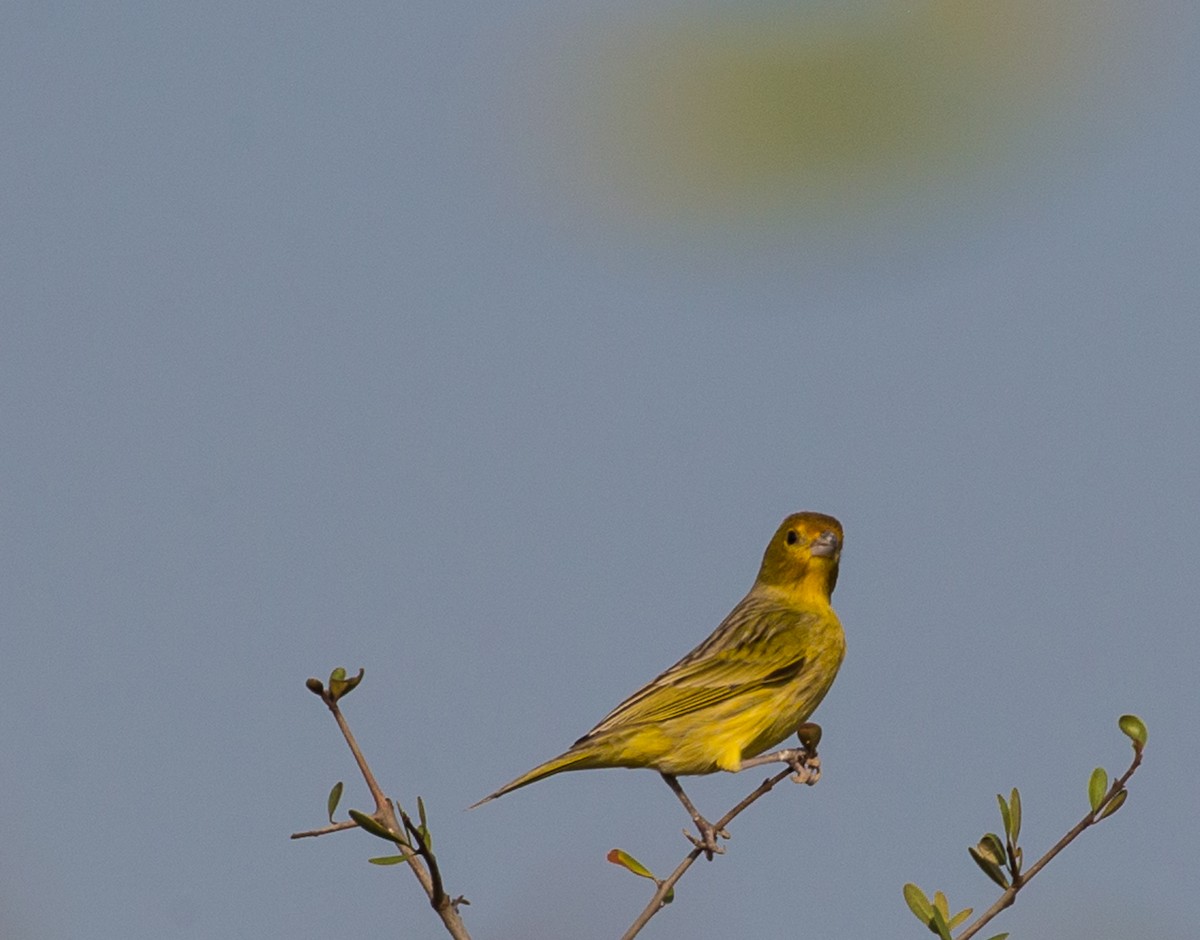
(754,648)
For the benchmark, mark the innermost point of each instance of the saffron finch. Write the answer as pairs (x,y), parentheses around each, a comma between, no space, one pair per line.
(744,689)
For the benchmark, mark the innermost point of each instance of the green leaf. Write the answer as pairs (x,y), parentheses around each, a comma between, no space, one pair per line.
(335,797)
(625,860)
(940,903)
(1005,815)
(1097,787)
(938,925)
(426,835)
(1134,728)
(388,860)
(991,848)
(1115,804)
(918,903)
(960,917)
(1014,807)
(999,936)
(339,685)
(374,826)
(991,869)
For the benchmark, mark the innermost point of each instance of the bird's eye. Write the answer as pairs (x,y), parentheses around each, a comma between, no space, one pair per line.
(792,537)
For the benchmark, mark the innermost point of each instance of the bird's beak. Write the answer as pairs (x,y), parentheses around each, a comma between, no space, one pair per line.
(825,545)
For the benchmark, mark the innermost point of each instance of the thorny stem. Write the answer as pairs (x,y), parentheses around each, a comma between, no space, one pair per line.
(1023,878)
(430,878)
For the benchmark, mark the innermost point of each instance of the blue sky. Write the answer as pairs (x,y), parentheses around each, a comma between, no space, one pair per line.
(431,341)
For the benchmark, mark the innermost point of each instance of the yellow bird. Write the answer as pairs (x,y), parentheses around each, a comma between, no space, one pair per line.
(743,690)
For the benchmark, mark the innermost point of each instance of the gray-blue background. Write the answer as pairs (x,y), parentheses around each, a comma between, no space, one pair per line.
(377,335)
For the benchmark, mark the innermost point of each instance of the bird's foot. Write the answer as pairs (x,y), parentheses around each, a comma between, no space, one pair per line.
(807,766)
(707,842)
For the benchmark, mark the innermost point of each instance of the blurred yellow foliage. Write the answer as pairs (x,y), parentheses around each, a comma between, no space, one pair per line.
(743,109)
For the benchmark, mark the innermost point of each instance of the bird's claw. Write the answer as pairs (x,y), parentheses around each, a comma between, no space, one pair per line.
(707,842)
(807,767)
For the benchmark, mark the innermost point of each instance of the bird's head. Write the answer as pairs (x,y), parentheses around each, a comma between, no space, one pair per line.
(803,555)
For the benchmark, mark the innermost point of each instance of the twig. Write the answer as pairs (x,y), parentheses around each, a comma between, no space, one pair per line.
(1020,879)
(802,767)
(336,827)
(410,839)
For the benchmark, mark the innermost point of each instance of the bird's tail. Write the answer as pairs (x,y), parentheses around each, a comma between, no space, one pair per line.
(571,760)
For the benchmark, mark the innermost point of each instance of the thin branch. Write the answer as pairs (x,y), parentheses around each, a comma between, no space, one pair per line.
(1023,878)
(803,767)
(336,827)
(420,836)
(426,872)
